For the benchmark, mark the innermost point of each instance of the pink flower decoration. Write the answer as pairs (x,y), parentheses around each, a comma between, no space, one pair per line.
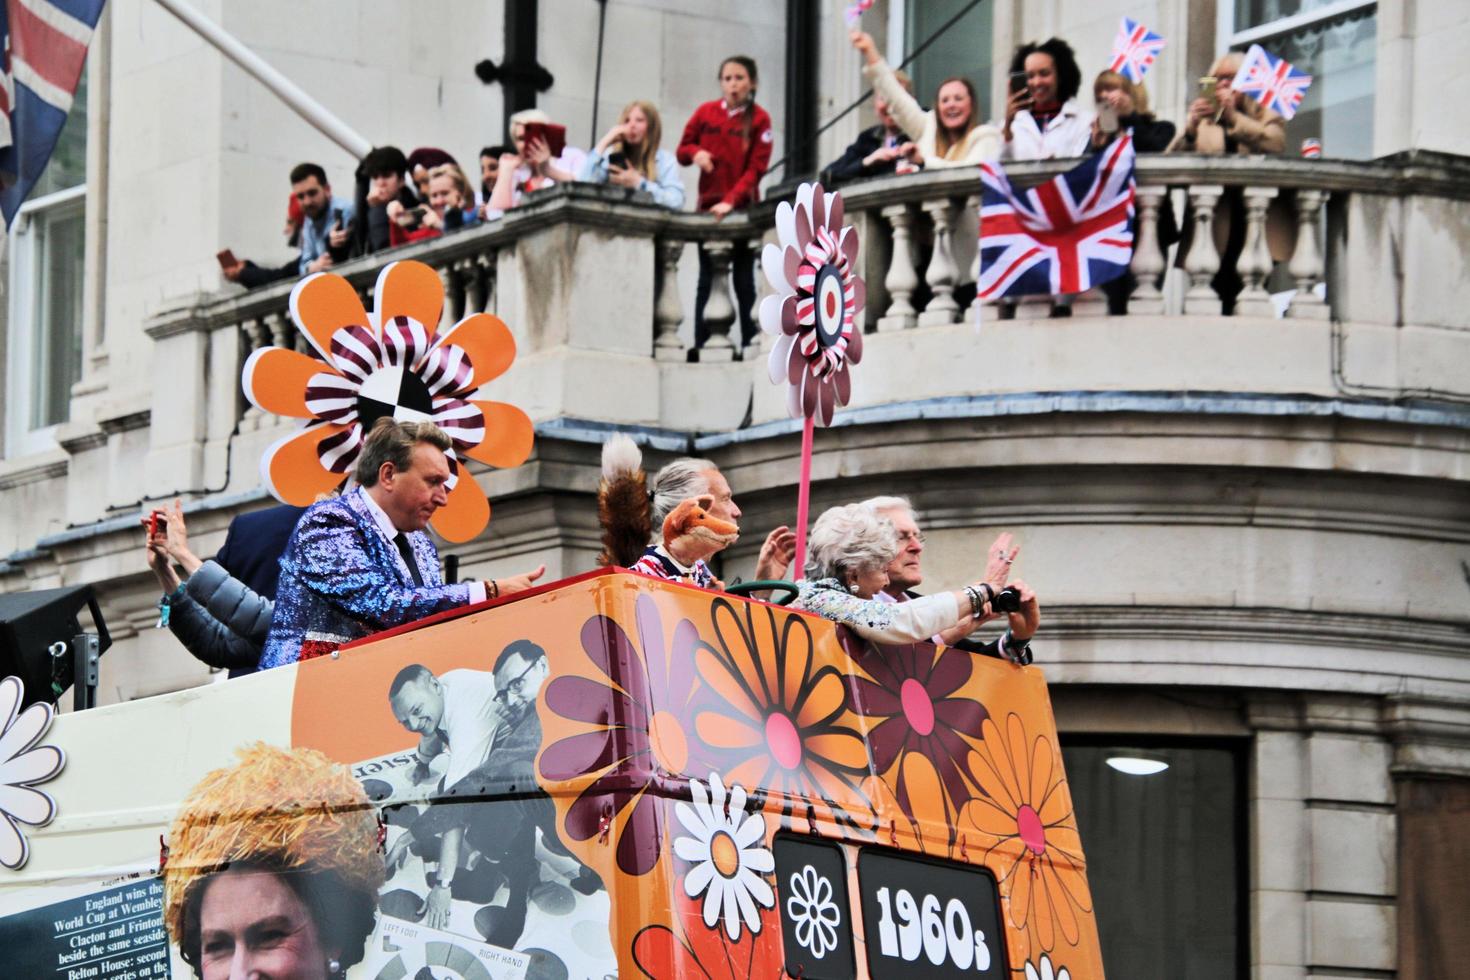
(818,296)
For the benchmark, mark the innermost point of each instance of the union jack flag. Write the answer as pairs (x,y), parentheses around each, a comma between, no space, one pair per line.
(1066,236)
(43,45)
(1274,82)
(1134,50)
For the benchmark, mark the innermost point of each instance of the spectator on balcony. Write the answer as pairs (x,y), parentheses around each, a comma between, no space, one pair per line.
(321,215)
(423,160)
(382,194)
(246,273)
(950,135)
(531,167)
(850,550)
(451,207)
(1231,122)
(1044,120)
(629,156)
(1128,104)
(729,140)
(490,169)
(878,150)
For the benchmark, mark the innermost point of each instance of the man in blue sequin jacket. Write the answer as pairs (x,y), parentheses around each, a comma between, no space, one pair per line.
(362,562)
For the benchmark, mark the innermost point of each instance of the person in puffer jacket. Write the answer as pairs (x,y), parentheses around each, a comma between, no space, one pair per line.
(218,618)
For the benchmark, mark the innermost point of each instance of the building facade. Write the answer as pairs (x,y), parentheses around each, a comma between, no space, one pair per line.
(1250,532)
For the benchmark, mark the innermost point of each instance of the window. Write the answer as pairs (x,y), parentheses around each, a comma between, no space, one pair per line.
(1334,42)
(1166,854)
(963,49)
(47,249)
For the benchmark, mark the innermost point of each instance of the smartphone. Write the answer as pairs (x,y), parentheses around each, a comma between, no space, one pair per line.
(619,160)
(339,221)
(413,217)
(1207,89)
(157,521)
(554,136)
(226,259)
(1107,118)
(1018,81)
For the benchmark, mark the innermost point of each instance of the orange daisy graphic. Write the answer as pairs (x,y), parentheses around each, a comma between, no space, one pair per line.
(771,717)
(1028,832)
(389,363)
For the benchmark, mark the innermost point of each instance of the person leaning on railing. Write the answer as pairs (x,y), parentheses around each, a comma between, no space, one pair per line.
(629,155)
(850,549)
(1232,122)
(878,150)
(949,135)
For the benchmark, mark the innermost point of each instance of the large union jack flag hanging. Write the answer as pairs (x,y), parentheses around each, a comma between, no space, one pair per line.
(1066,236)
(1274,82)
(43,45)
(1134,50)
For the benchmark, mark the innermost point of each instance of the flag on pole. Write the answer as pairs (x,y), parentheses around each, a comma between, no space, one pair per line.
(1134,50)
(1274,82)
(43,44)
(1066,236)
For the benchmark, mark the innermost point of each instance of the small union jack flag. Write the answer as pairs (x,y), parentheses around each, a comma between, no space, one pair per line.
(1066,236)
(1274,82)
(43,45)
(1134,50)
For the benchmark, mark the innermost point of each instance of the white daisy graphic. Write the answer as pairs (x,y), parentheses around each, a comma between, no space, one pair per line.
(811,908)
(1045,971)
(22,763)
(727,847)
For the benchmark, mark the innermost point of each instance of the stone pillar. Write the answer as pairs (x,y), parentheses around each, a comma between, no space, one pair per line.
(1255,259)
(757,341)
(451,284)
(1306,260)
(472,295)
(1203,260)
(1148,258)
(901,280)
(719,312)
(668,312)
(485,263)
(254,335)
(941,273)
(972,206)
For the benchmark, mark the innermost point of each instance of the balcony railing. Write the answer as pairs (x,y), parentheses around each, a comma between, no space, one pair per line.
(590,269)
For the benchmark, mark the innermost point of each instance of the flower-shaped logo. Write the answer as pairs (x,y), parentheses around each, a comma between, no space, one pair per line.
(1043,970)
(638,730)
(817,298)
(387,364)
(811,909)
(1029,834)
(727,848)
(22,765)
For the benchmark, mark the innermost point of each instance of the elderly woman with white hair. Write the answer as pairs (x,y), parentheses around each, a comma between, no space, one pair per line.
(849,550)
(531,167)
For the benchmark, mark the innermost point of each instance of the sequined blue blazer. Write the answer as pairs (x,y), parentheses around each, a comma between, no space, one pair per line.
(340,580)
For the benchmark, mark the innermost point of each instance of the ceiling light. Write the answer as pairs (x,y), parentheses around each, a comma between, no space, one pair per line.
(1138,764)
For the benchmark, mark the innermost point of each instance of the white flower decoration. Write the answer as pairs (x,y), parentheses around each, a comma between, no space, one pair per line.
(811,908)
(1045,971)
(817,296)
(21,765)
(727,847)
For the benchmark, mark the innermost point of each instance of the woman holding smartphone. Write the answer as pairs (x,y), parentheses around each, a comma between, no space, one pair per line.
(629,156)
(729,140)
(1122,106)
(950,135)
(1044,121)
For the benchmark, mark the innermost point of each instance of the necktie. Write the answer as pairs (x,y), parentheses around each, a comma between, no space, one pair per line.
(401,540)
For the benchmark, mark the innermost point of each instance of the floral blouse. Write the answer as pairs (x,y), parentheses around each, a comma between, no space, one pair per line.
(874,619)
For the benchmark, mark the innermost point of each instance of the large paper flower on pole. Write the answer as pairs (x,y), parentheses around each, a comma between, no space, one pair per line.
(387,364)
(813,312)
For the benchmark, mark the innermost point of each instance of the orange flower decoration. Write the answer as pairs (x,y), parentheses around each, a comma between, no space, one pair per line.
(1029,834)
(770,717)
(387,364)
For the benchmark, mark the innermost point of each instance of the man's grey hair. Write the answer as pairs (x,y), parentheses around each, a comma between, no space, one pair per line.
(391,441)
(676,482)
(850,538)
(882,504)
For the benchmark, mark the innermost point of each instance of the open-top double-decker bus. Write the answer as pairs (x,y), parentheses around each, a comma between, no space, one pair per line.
(608,776)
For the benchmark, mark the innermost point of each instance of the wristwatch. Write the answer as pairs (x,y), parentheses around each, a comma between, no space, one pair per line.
(1018,649)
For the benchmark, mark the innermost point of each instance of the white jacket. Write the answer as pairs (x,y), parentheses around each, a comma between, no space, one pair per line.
(1067,135)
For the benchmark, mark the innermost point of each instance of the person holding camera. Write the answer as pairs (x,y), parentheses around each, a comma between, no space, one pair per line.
(905,574)
(534,165)
(1223,121)
(629,155)
(1122,106)
(1044,120)
(451,207)
(851,549)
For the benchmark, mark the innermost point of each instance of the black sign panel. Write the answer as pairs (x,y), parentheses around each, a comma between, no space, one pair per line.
(114,934)
(816,917)
(930,919)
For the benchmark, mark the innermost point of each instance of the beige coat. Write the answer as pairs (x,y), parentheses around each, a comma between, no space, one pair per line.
(980,144)
(1256,130)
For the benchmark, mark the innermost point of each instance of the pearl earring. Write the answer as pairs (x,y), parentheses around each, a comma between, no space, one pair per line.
(852,587)
(334,967)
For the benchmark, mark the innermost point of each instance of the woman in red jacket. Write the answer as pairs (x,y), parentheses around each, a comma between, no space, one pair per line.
(729,140)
